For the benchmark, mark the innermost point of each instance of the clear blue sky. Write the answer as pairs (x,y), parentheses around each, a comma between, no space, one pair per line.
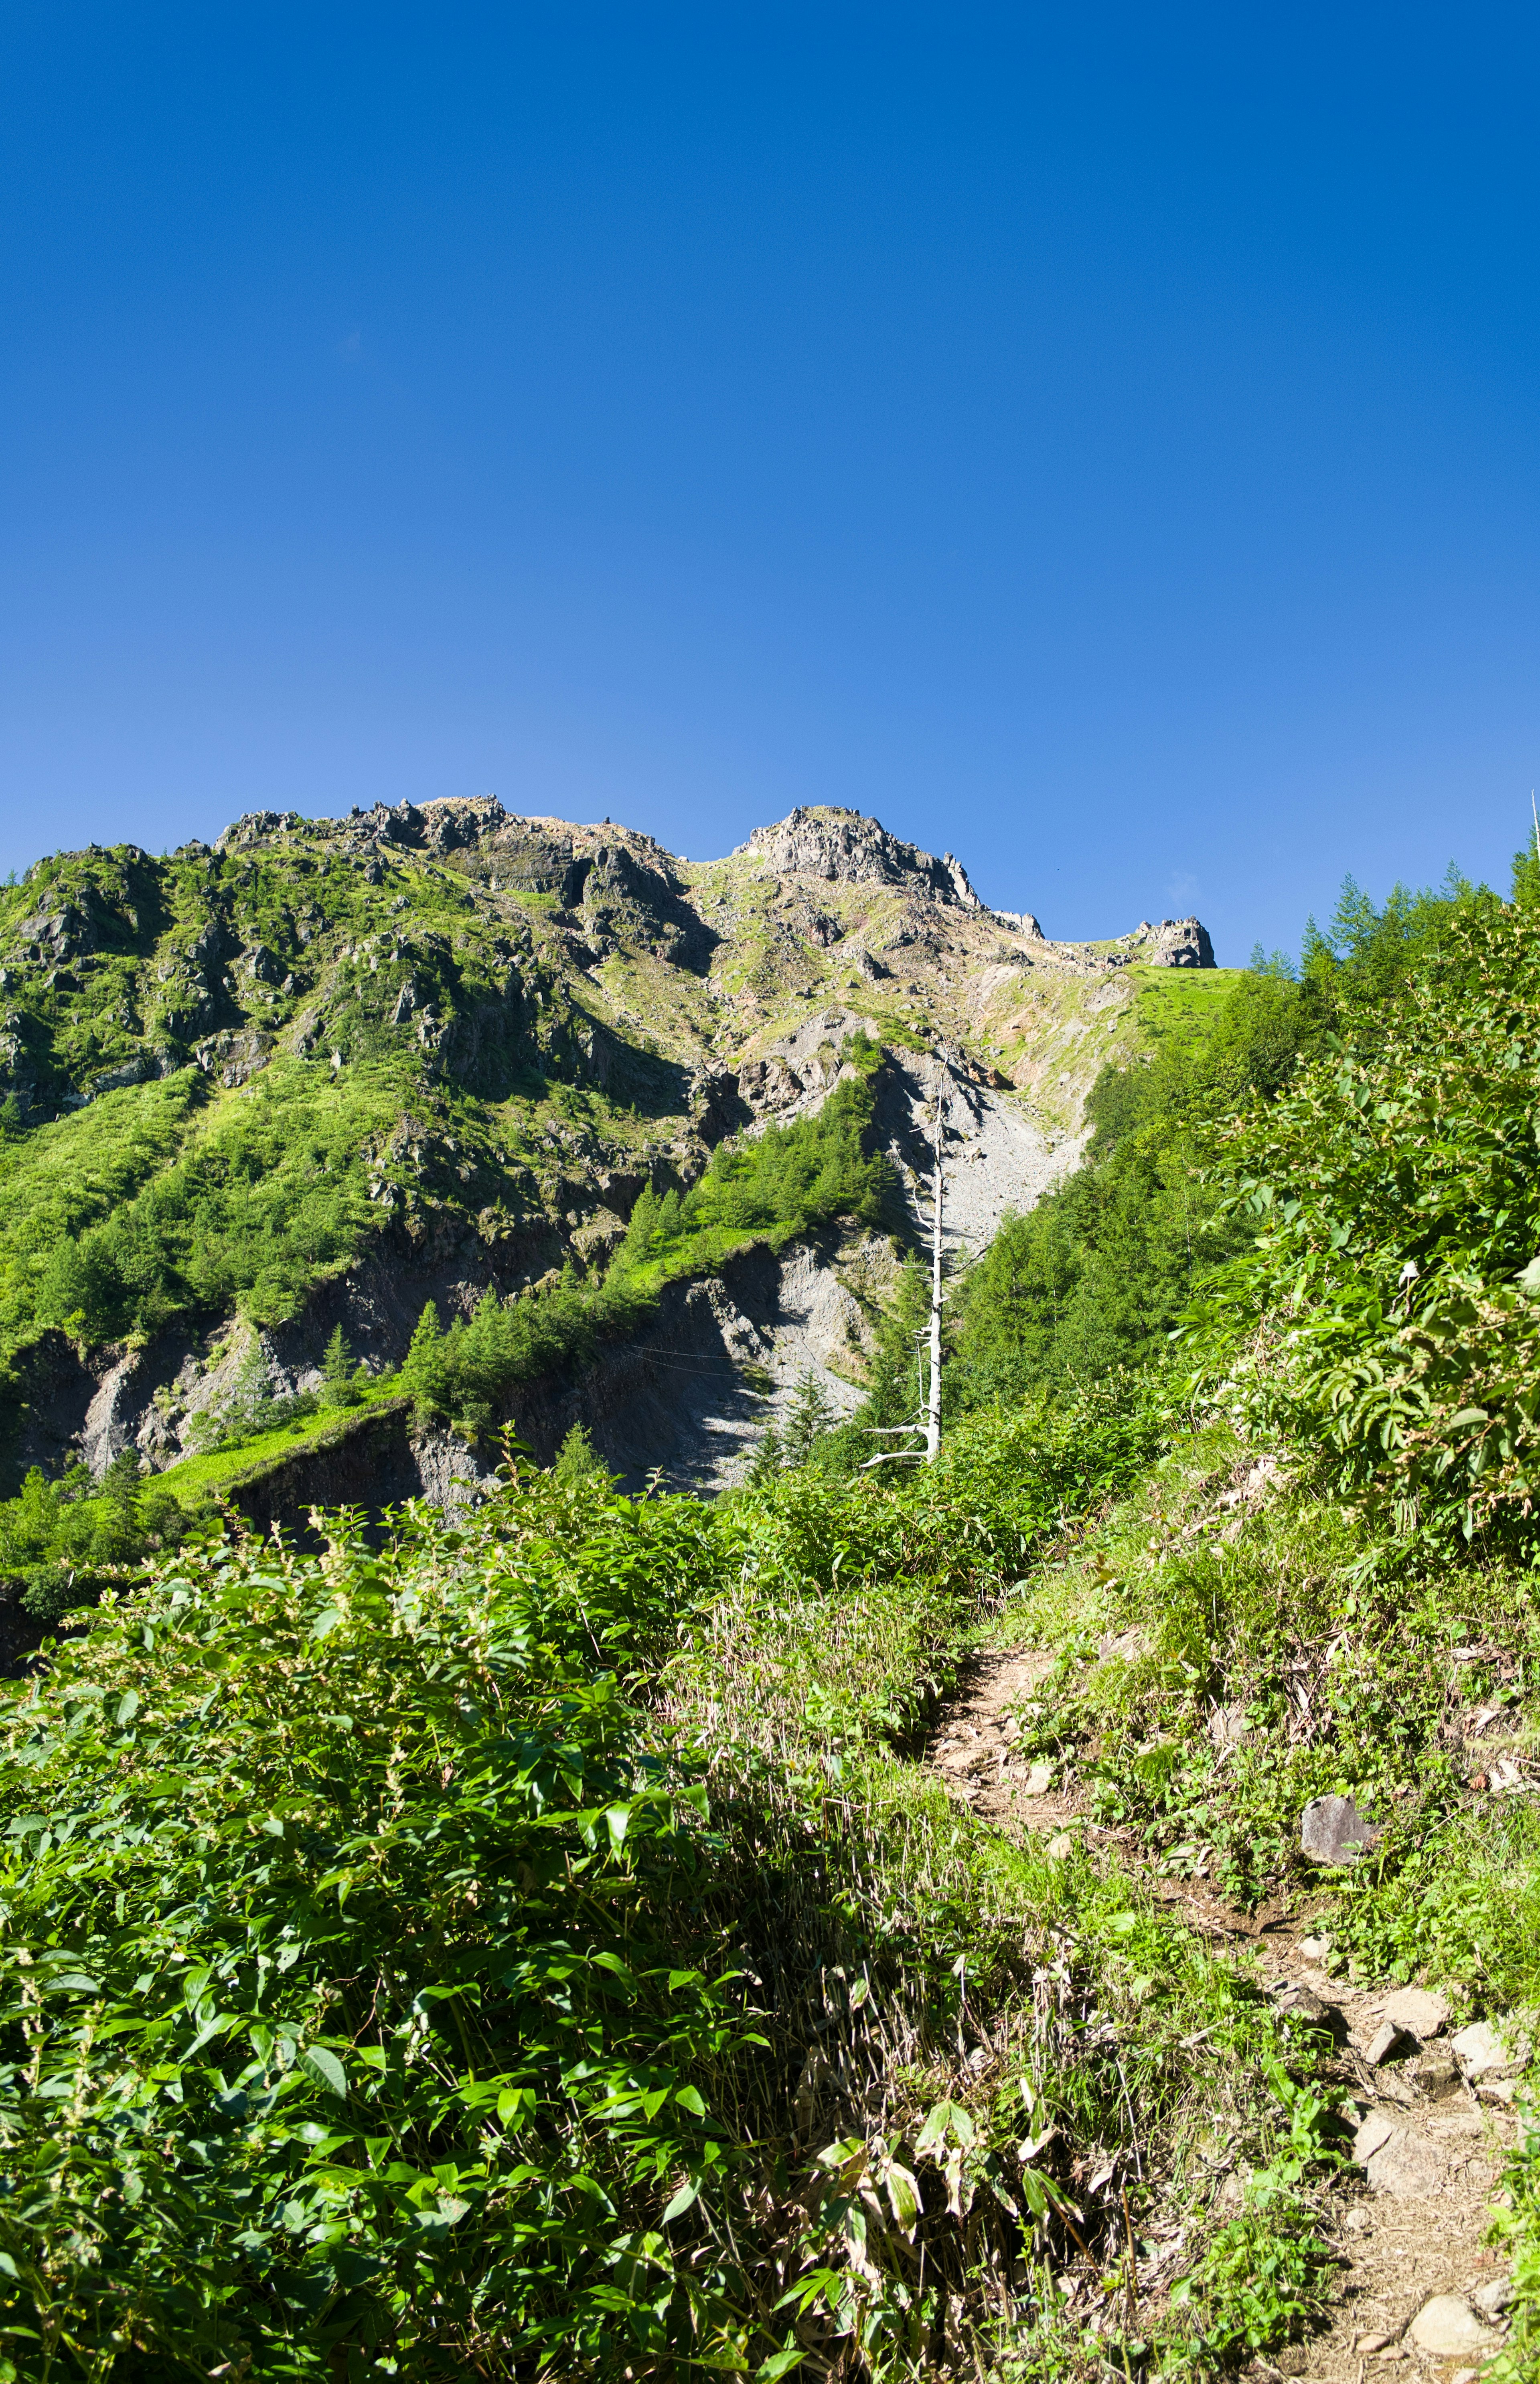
(1102,442)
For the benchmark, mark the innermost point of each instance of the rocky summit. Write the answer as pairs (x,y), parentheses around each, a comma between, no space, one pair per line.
(324,1073)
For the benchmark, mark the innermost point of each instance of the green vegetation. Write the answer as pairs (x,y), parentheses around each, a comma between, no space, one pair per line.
(782,1182)
(1098,1275)
(776,1186)
(413,1958)
(1391,1292)
(535,1945)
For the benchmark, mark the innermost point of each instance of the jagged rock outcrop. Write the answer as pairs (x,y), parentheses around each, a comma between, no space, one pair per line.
(1172,943)
(829,842)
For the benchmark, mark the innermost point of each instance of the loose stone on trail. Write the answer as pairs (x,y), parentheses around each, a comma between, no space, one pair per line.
(1482,2052)
(1417,2013)
(1447,2327)
(1331,1829)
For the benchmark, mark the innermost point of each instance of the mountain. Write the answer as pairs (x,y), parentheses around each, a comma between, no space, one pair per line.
(326,1072)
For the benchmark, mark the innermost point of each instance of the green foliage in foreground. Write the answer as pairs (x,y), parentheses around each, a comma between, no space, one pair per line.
(1384,1315)
(391,1984)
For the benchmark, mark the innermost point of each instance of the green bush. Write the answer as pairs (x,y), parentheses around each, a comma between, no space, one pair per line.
(375,1992)
(1385,1313)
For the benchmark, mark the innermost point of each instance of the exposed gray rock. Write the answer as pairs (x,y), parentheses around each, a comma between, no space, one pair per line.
(1396,2162)
(1484,2054)
(1331,1829)
(1417,2013)
(112,1417)
(830,842)
(1174,943)
(1447,2327)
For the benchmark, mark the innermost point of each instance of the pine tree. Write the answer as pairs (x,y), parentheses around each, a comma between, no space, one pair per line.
(766,1465)
(813,1414)
(425,1370)
(337,1369)
(577,1460)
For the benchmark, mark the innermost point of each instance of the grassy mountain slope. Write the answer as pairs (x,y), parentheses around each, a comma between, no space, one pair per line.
(423,1055)
(542,1946)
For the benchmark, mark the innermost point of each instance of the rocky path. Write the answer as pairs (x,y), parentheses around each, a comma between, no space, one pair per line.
(1417,2294)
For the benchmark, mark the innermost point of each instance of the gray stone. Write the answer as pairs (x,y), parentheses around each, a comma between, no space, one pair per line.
(1493,2297)
(1417,2013)
(1482,2052)
(1383,2043)
(1371,2133)
(1397,2163)
(1437,2073)
(1447,2327)
(1331,1829)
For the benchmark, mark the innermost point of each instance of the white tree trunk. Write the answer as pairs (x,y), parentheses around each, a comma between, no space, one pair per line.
(938,1195)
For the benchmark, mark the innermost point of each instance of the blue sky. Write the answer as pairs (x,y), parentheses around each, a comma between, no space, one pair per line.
(1101,442)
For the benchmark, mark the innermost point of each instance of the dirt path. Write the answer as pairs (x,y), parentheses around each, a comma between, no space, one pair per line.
(1410,2215)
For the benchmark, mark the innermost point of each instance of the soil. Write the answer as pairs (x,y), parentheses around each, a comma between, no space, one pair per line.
(1407,2224)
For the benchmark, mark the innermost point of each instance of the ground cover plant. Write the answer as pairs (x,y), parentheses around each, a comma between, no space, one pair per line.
(413,1955)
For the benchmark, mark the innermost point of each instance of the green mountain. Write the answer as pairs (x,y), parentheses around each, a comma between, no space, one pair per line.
(1070,1910)
(325,1074)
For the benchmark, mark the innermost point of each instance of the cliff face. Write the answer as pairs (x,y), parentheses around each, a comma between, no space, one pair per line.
(325,1070)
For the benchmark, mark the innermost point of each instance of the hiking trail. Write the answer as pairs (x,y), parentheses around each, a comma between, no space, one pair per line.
(1408,2220)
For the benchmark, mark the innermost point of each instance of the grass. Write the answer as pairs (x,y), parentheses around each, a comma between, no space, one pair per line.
(192,1478)
(1219,1668)
(1171,1001)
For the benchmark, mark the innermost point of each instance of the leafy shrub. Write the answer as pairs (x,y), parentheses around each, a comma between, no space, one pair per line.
(372,1989)
(1385,1313)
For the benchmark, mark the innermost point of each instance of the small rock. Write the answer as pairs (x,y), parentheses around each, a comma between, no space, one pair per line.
(1228,1726)
(1298,1999)
(1437,2072)
(1331,1829)
(1039,1780)
(1358,2220)
(1387,2037)
(1493,2297)
(1372,2341)
(1447,2327)
(1482,2052)
(1465,2375)
(1372,2132)
(1060,1846)
(1316,1949)
(1417,2013)
(1397,2163)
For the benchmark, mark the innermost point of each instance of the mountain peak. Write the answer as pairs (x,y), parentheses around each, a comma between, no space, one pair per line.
(826,840)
